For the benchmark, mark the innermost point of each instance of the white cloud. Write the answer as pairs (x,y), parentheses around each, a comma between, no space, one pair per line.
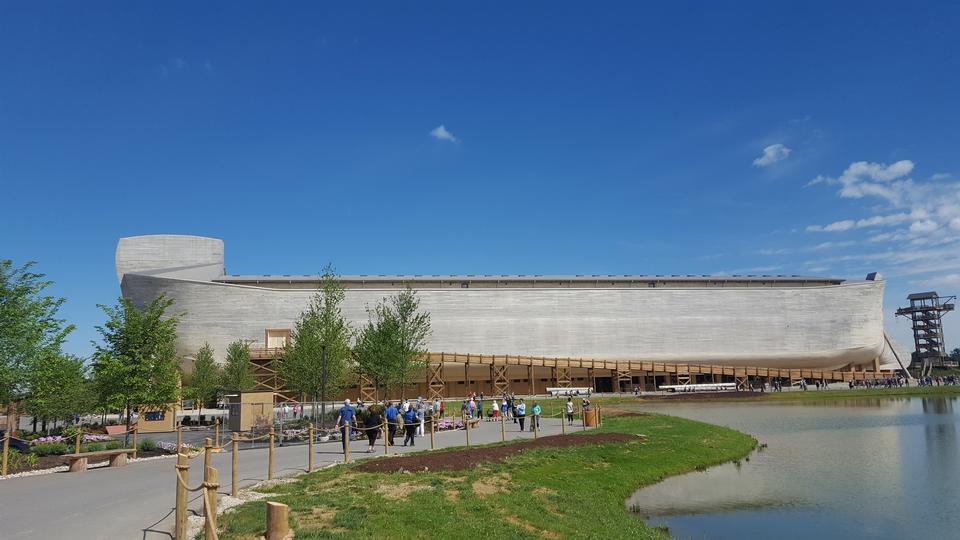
(831,245)
(924,226)
(440,132)
(836,226)
(772,252)
(772,154)
(940,176)
(882,221)
(946,279)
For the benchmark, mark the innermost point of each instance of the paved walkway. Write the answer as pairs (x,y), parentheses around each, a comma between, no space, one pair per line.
(137,501)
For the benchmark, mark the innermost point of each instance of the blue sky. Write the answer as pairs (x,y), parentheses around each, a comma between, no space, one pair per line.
(753,137)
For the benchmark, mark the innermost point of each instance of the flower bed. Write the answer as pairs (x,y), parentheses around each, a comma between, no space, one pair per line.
(447,425)
(171,448)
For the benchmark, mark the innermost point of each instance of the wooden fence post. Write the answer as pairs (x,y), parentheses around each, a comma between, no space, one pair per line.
(386,436)
(207,453)
(310,447)
(466,426)
(277,521)
(135,430)
(563,423)
(211,483)
(216,432)
(179,438)
(76,443)
(235,463)
(535,420)
(503,428)
(183,478)
(6,451)
(273,435)
(433,433)
(346,441)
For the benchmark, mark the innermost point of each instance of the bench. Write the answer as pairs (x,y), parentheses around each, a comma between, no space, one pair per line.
(78,462)
(576,391)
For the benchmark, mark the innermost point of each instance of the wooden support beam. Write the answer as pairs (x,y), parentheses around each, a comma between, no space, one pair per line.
(501,384)
(435,382)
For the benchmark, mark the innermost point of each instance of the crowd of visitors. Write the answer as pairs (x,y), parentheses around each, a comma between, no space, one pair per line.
(412,416)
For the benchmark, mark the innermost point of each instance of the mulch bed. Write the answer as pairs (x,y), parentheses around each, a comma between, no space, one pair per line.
(49,462)
(459,460)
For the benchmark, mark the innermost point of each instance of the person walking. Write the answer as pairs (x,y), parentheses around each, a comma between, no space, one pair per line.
(535,420)
(372,424)
(421,412)
(521,413)
(409,426)
(391,414)
(346,418)
(569,411)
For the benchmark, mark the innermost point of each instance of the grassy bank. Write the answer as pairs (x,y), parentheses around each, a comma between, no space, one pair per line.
(571,492)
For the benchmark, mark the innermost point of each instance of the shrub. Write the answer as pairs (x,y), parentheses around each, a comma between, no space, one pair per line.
(147,445)
(95,447)
(17,461)
(68,432)
(112,445)
(50,449)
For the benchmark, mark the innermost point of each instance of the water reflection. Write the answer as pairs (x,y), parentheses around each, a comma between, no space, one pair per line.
(872,467)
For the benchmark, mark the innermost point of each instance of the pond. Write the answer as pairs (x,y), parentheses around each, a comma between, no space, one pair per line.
(885,468)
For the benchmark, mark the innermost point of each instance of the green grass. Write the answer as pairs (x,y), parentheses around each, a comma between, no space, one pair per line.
(570,493)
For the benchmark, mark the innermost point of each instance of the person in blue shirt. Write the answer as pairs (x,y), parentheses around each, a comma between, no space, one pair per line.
(521,412)
(410,424)
(346,418)
(391,414)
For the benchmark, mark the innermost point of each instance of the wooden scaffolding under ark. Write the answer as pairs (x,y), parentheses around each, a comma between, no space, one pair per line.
(623,372)
(621,376)
(926,312)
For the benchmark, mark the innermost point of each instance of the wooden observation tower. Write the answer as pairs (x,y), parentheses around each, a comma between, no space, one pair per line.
(926,310)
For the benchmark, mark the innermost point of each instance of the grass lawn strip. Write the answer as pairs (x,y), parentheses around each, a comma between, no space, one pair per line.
(571,492)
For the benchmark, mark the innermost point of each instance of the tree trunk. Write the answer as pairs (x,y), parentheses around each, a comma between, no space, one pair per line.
(126,436)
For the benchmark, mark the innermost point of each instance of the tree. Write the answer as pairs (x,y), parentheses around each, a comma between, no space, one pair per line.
(371,351)
(59,388)
(29,327)
(411,330)
(137,364)
(391,348)
(205,381)
(237,372)
(955,354)
(315,362)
